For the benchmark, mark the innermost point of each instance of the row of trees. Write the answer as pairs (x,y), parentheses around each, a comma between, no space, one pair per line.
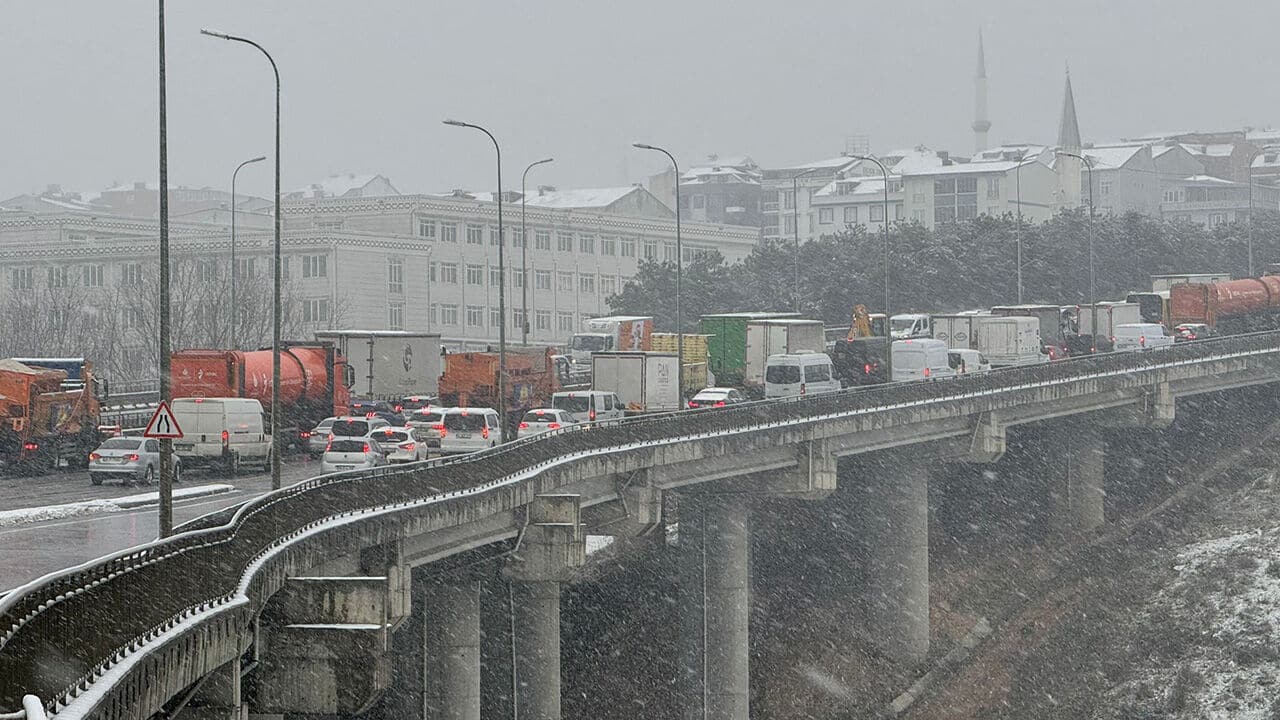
(117,326)
(956,266)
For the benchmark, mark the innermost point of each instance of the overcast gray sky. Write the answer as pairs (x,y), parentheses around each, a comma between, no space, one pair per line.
(367,83)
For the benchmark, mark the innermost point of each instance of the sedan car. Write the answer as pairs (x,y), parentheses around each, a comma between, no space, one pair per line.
(401,444)
(716,397)
(351,453)
(541,420)
(318,437)
(128,459)
(1192,331)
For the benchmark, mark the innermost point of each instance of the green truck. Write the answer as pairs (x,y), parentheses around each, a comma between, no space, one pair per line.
(727,346)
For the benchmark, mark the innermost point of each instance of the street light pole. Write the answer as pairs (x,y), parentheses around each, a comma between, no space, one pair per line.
(165,509)
(679,264)
(235,308)
(502,284)
(1093,301)
(1017,233)
(795,227)
(884,173)
(524,256)
(276,304)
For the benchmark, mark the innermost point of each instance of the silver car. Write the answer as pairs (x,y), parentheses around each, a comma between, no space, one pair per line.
(318,438)
(128,459)
(540,420)
(351,453)
(401,444)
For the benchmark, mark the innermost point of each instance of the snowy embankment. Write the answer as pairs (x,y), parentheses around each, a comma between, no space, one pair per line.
(55,512)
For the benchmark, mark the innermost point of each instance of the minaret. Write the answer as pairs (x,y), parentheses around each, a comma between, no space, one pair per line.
(980,122)
(1069,126)
(1069,168)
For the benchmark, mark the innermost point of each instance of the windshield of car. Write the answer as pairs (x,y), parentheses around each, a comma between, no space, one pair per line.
(470,422)
(120,444)
(348,446)
(782,374)
(325,425)
(350,428)
(593,343)
(572,403)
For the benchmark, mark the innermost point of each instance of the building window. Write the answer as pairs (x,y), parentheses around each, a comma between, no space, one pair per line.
(993,188)
(542,240)
(587,284)
(608,245)
(541,279)
(628,247)
(132,318)
(564,242)
(329,224)
(517,237)
(427,229)
(651,250)
(23,278)
(246,268)
(517,319)
(608,286)
(493,236)
(541,319)
(495,317)
(315,310)
(449,273)
(432,273)
(1216,219)
(897,211)
(448,314)
(207,270)
(668,252)
(564,322)
(564,281)
(877,213)
(449,233)
(698,201)
(788,224)
(826,216)
(130,275)
(475,234)
(955,199)
(433,314)
(587,244)
(315,266)
(91,275)
(395,316)
(851,214)
(1104,187)
(284,268)
(788,200)
(475,274)
(475,316)
(517,278)
(495,276)
(395,276)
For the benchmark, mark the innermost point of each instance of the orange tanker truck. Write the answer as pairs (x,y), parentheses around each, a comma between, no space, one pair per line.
(314,381)
(471,380)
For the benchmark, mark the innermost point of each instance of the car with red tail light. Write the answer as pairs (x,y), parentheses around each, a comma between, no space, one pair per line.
(716,397)
(400,444)
(468,429)
(1136,337)
(221,432)
(429,424)
(351,453)
(540,420)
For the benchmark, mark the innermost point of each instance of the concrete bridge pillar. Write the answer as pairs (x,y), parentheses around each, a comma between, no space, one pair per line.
(1076,490)
(219,696)
(895,524)
(715,564)
(551,546)
(451,650)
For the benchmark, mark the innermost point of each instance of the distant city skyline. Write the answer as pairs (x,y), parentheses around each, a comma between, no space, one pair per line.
(364,92)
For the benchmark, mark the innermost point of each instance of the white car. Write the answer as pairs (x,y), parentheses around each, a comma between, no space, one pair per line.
(1141,336)
(318,437)
(429,422)
(469,429)
(716,397)
(401,444)
(129,459)
(541,420)
(351,453)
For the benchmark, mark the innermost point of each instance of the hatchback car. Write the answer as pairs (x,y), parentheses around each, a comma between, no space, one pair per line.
(355,427)
(318,437)
(351,453)
(429,422)
(400,444)
(540,420)
(377,408)
(409,403)
(716,397)
(128,459)
(467,430)
(1192,331)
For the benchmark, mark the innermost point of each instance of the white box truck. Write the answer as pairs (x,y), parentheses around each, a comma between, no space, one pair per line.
(958,330)
(782,336)
(645,382)
(389,364)
(1010,341)
(1110,314)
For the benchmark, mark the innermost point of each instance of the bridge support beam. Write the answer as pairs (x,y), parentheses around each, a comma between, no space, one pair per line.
(715,564)
(219,696)
(896,533)
(451,650)
(1076,480)
(551,546)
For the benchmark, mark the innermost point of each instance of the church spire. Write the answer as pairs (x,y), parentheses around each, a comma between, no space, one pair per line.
(1069,126)
(981,124)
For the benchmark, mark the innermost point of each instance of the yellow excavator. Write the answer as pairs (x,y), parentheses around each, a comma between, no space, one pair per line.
(861,325)
(862,357)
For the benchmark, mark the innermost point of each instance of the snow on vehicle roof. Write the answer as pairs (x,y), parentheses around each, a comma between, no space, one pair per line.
(11,365)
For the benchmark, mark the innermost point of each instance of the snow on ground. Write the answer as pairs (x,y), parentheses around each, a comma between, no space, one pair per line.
(1207,641)
(56,512)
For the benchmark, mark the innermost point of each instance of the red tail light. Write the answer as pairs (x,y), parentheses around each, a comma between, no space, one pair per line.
(226,437)
(524,426)
(1191,336)
(399,408)
(719,403)
(408,447)
(484,433)
(866,369)
(801,388)
(30,446)
(305,434)
(926,372)
(440,429)
(329,445)
(693,403)
(591,415)
(369,414)
(365,449)
(93,456)
(133,457)
(1142,340)
(553,426)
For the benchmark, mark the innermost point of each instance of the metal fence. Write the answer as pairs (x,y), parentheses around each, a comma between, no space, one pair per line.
(59,632)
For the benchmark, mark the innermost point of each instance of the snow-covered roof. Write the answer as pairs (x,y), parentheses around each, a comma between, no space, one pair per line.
(1210,150)
(1207,180)
(853,186)
(1112,156)
(995,166)
(1263,135)
(1008,152)
(340,186)
(717,174)
(581,198)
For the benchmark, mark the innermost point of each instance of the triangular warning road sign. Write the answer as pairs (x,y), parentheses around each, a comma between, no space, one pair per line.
(163,424)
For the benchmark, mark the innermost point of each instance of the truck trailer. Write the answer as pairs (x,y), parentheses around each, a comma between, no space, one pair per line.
(645,382)
(610,334)
(389,364)
(781,336)
(727,346)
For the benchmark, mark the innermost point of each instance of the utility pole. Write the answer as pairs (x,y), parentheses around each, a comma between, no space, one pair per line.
(166,391)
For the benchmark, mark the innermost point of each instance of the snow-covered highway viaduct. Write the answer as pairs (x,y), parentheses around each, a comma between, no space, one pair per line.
(288,603)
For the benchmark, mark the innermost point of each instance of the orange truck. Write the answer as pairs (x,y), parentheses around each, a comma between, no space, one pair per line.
(45,417)
(471,380)
(314,381)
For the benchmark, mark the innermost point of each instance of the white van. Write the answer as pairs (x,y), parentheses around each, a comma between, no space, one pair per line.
(223,432)
(968,362)
(468,429)
(920,359)
(589,405)
(1141,336)
(796,374)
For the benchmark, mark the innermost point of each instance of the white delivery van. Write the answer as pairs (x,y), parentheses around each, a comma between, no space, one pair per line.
(793,374)
(1141,336)
(589,405)
(222,432)
(920,359)
(968,362)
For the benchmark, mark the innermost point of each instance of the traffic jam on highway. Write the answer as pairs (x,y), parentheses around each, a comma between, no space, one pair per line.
(414,401)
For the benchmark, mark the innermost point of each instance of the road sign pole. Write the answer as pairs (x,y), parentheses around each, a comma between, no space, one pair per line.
(166,446)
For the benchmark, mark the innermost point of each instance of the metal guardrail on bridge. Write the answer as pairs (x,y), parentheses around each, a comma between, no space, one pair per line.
(92,615)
